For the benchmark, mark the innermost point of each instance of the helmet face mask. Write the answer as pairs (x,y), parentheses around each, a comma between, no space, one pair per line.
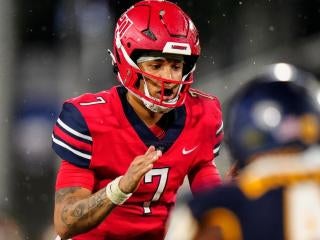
(154,26)
(167,92)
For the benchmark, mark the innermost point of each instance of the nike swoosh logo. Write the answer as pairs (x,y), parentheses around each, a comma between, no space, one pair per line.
(187,151)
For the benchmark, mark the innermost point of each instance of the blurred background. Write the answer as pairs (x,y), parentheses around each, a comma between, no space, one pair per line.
(53,50)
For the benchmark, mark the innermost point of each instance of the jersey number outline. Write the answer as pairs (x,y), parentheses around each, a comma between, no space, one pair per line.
(163,173)
(100,100)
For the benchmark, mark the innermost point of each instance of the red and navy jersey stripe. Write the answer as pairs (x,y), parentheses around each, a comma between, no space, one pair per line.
(71,138)
(219,138)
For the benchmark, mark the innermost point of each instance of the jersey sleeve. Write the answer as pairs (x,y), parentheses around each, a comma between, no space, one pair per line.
(218,134)
(204,174)
(71,138)
(70,175)
(203,177)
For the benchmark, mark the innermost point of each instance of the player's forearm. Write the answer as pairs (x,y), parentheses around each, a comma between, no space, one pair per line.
(74,215)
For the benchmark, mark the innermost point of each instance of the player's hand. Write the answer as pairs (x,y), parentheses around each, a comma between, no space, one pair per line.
(233,173)
(137,169)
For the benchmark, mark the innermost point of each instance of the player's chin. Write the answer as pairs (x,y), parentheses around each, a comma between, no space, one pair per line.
(163,111)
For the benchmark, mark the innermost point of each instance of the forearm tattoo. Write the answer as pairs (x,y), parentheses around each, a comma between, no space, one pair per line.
(97,199)
(75,209)
(64,193)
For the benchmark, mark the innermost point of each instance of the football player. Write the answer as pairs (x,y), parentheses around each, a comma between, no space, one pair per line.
(272,130)
(126,151)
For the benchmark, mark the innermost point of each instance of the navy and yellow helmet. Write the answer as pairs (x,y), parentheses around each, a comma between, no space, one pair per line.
(277,109)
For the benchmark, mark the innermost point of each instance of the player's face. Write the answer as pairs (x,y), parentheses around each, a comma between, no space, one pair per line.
(164,68)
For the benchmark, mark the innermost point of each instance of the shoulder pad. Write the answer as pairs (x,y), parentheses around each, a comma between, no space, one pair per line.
(88,99)
(197,93)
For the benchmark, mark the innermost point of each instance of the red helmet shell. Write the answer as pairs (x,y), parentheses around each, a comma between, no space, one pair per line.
(152,25)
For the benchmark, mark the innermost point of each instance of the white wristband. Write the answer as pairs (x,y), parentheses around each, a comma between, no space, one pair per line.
(115,194)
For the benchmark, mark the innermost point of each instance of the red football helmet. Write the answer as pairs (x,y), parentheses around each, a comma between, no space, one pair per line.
(154,26)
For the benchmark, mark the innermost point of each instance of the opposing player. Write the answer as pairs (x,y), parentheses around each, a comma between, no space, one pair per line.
(126,151)
(272,130)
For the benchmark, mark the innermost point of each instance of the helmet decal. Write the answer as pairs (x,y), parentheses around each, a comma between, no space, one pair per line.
(177,48)
(123,24)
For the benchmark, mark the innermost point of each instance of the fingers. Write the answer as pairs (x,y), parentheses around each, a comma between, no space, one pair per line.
(145,162)
(150,149)
(152,154)
(158,154)
(138,168)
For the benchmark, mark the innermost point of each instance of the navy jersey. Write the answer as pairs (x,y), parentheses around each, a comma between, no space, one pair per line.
(272,199)
(244,218)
